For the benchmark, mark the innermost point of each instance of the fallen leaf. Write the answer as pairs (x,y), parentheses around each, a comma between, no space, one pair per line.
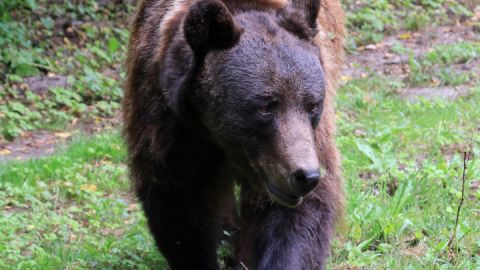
(132,207)
(359,133)
(367,99)
(105,162)
(89,187)
(346,78)
(405,36)
(474,185)
(63,135)
(24,86)
(5,152)
(387,55)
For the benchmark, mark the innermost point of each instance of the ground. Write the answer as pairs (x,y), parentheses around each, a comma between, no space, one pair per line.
(407,112)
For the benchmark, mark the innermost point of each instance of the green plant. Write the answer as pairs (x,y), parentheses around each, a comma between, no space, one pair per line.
(435,67)
(368,21)
(40,39)
(402,182)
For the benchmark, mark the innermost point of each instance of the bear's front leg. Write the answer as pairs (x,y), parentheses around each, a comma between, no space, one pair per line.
(275,237)
(185,229)
(185,209)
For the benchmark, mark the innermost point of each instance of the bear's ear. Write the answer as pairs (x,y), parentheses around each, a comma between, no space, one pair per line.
(308,9)
(209,26)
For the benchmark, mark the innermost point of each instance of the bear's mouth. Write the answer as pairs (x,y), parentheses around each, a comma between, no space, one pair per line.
(283,198)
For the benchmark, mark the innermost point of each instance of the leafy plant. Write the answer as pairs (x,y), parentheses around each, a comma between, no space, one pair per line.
(434,68)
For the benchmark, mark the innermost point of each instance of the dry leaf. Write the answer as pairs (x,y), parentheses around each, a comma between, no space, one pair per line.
(5,152)
(89,187)
(405,36)
(387,55)
(132,207)
(24,86)
(105,162)
(68,184)
(346,78)
(367,99)
(474,185)
(63,135)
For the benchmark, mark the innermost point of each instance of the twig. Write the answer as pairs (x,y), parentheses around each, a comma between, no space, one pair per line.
(466,158)
(243,266)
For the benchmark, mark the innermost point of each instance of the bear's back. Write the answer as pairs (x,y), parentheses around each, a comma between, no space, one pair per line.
(157,21)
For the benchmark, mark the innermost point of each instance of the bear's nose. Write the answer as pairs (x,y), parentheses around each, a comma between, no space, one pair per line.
(304,181)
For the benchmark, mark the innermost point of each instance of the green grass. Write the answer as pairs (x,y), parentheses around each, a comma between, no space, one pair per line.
(73,211)
(370,20)
(403,167)
(437,66)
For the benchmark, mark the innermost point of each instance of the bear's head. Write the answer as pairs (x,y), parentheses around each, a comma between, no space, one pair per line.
(258,91)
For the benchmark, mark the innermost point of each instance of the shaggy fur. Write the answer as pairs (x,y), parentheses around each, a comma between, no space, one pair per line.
(187,135)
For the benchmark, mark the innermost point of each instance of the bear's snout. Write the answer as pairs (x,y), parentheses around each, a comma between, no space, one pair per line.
(303,181)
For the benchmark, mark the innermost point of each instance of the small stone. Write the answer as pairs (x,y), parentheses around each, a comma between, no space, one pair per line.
(387,55)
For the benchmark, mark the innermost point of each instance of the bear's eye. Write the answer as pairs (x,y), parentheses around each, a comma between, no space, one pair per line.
(268,108)
(313,108)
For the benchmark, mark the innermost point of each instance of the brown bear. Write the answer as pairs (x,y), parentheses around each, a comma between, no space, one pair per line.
(228,93)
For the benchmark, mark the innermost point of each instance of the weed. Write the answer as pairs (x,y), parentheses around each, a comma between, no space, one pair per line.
(401,182)
(436,67)
(368,21)
(90,54)
(68,210)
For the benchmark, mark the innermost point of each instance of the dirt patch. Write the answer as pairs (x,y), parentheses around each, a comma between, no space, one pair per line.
(43,143)
(30,145)
(433,93)
(381,59)
(41,84)
(416,252)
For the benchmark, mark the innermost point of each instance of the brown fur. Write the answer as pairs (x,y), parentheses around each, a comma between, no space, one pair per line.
(151,35)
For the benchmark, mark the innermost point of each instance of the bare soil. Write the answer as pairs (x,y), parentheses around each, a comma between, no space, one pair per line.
(379,58)
(42,143)
(431,93)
